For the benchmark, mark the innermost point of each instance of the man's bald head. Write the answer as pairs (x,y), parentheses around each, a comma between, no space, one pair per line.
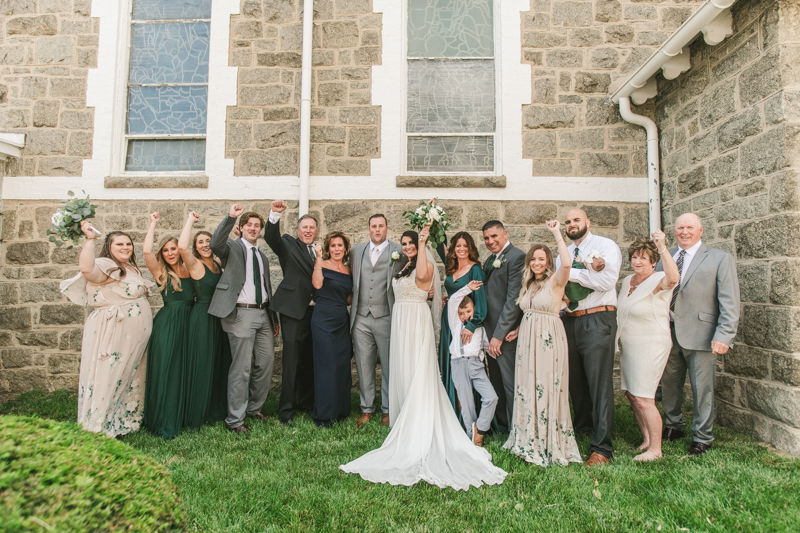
(576,224)
(688,230)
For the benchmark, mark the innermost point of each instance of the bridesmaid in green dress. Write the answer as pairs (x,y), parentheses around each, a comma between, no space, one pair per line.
(462,265)
(209,356)
(164,396)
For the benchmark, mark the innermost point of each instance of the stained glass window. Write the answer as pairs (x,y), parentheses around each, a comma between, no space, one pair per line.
(451,104)
(168,85)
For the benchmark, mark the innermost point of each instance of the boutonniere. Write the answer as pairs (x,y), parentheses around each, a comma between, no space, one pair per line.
(497,263)
(395,257)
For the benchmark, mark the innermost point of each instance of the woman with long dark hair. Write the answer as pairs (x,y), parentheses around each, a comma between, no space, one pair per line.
(167,352)
(115,335)
(462,265)
(209,352)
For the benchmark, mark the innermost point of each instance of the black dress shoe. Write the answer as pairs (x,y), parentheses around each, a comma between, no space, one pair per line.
(287,421)
(240,430)
(698,448)
(671,434)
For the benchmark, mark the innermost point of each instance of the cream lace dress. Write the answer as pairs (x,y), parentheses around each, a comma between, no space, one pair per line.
(541,430)
(115,335)
(426,441)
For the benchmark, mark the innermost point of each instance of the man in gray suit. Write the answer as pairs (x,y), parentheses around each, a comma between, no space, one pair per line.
(371,314)
(241,302)
(704,314)
(503,270)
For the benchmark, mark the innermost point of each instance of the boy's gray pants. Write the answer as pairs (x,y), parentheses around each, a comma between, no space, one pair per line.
(469,372)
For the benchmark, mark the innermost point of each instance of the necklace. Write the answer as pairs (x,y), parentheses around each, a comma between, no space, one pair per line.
(634,285)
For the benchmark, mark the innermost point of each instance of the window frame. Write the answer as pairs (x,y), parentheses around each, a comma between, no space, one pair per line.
(498,126)
(121,86)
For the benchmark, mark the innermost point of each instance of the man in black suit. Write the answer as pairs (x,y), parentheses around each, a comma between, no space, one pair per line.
(294,300)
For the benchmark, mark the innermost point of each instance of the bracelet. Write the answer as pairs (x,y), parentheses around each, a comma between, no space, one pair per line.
(315,268)
(662,251)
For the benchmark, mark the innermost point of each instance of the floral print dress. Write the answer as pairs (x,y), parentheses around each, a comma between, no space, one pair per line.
(541,429)
(115,335)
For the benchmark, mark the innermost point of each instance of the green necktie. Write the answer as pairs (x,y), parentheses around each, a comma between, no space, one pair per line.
(577,251)
(256,276)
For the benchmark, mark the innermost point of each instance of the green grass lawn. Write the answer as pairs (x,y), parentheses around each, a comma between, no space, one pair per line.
(286,478)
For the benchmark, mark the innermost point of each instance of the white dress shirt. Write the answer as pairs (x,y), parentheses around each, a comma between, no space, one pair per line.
(475,346)
(373,255)
(687,260)
(603,283)
(248,294)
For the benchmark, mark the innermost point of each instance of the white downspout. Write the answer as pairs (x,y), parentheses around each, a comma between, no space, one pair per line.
(305,106)
(653,180)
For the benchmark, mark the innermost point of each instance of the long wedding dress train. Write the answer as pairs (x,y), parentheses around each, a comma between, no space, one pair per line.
(426,441)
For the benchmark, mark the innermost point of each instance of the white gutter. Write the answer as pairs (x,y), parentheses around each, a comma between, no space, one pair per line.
(711,18)
(653,184)
(11,144)
(305,106)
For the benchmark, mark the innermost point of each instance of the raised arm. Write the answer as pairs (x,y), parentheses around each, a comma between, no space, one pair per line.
(425,268)
(561,275)
(671,274)
(91,272)
(219,241)
(272,230)
(194,266)
(317,278)
(149,258)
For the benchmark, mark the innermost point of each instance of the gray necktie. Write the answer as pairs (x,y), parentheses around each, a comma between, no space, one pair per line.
(677,288)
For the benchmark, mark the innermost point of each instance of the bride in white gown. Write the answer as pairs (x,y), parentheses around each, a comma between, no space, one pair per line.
(426,441)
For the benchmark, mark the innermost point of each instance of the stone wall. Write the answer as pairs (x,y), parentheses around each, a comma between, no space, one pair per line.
(730,151)
(263,134)
(577,50)
(46,49)
(40,331)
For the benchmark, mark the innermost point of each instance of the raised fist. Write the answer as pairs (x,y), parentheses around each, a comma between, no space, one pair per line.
(154,218)
(279,206)
(236,210)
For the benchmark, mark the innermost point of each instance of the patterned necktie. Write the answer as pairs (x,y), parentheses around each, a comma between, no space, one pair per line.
(256,276)
(577,251)
(311,253)
(677,288)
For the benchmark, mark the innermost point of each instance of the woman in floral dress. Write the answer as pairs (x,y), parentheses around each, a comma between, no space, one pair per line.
(112,374)
(541,429)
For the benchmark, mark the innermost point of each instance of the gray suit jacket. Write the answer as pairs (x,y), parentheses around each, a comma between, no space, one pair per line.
(233,255)
(708,305)
(502,290)
(356,256)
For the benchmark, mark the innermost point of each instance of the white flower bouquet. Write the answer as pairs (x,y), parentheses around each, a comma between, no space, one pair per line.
(591,257)
(428,213)
(66,222)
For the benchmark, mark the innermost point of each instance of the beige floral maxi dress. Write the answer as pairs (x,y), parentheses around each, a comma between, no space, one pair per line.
(115,335)
(541,429)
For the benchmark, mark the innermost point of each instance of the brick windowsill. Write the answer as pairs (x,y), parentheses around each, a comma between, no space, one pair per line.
(156,182)
(453,182)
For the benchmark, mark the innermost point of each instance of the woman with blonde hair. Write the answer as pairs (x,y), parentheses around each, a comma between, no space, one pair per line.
(112,373)
(330,330)
(541,428)
(165,388)
(209,352)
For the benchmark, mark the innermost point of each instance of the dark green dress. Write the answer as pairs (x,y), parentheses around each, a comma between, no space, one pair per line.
(208,359)
(164,396)
(479,298)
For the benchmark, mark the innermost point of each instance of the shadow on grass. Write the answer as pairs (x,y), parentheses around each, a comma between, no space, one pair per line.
(286,478)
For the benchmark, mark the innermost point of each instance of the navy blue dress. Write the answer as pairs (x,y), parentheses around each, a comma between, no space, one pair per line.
(333,349)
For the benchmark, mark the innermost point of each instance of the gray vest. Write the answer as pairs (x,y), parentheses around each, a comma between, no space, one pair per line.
(372,295)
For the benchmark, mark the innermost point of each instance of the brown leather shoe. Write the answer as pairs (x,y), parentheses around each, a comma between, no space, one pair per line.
(363,419)
(597,459)
(385,419)
(240,430)
(477,438)
(258,416)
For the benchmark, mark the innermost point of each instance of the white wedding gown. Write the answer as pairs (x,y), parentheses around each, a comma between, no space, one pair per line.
(426,441)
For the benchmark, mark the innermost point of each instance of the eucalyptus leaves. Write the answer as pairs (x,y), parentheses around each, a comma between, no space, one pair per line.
(428,213)
(66,222)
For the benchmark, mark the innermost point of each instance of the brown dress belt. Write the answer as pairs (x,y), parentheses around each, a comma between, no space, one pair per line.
(590,311)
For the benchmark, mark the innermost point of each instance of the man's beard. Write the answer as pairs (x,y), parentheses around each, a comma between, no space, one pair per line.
(577,234)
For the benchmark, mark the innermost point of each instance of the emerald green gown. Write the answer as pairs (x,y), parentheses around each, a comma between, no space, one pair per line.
(209,359)
(165,394)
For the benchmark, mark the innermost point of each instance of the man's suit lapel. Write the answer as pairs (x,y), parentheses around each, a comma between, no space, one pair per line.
(308,264)
(699,257)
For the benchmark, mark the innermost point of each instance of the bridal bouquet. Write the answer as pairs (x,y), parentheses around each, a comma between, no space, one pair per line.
(428,213)
(66,222)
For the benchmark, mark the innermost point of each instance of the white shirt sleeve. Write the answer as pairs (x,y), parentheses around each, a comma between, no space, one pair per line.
(452,309)
(274,217)
(605,280)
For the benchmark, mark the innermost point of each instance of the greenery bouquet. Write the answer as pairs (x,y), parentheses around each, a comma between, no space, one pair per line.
(66,222)
(428,213)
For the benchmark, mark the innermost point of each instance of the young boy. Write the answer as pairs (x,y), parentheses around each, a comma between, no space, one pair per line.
(466,365)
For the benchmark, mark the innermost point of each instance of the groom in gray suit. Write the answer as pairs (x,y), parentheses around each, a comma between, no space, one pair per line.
(704,315)
(503,270)
(241,302)
(371,314)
